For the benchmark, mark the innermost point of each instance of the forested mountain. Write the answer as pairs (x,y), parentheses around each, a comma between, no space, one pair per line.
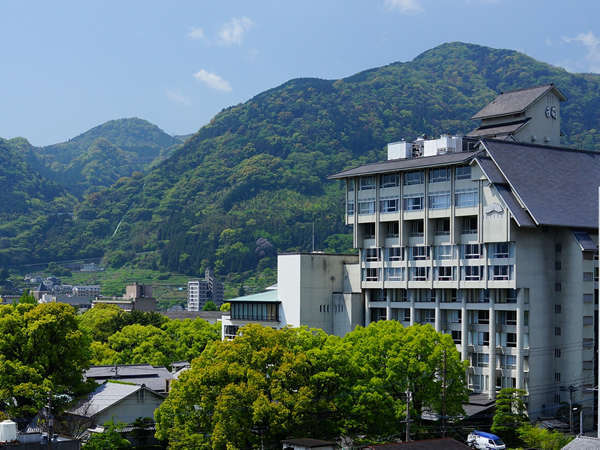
(100,156)
(253,180)
(31,204)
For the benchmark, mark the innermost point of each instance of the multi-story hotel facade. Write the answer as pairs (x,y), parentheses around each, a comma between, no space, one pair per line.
(493,241)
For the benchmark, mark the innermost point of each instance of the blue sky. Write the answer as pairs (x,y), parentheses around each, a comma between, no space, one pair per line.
(66,66)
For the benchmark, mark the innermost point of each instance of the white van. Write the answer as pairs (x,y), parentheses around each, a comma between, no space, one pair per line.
(484,441)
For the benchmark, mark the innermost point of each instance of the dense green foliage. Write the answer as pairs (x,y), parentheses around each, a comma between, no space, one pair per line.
(510,415)
(253,181)
(542,438)
(305,383)
(110,439)
(137,337)
(43,354)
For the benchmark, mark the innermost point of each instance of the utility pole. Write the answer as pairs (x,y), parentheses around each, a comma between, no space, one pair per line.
(408,395)
(444,396)
(571,390)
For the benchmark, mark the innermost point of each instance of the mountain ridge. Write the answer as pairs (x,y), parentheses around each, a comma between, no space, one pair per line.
(257,171)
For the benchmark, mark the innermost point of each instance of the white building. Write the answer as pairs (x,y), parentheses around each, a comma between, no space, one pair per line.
(317,290)
(492,241)
(91,290)
(201,291)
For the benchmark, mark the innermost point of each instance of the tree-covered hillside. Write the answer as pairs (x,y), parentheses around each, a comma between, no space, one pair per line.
(31,204)
(253,180)
(100,156)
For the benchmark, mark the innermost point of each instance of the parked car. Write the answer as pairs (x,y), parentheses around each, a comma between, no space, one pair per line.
(484,441)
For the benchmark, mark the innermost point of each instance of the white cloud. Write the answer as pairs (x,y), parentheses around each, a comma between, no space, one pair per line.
(212,80)
(404,6)
(178,97)
(232,33)
(592,44)
(196,33)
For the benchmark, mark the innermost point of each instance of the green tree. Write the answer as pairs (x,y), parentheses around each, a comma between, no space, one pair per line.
(534,437)
(393,360)
(191,336)
(136,344)
(510,415)
(27,298)
(102,321)
(225,307)
(284,382)
(108,440)
(209,306)
(42,352)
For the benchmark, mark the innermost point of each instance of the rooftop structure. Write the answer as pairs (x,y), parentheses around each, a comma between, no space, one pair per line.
(153,377)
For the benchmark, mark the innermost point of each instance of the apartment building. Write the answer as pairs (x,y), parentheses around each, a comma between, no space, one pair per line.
(201,291)
(493,241)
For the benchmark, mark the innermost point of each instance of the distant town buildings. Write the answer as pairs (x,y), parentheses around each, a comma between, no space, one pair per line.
(138,297)
(201,291)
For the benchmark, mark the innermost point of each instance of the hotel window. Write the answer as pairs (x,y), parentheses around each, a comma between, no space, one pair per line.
(371,274)
(508,361)
(469,225)
(443,252)
(415,228)
(396,295)
(255,311)
(378,314)
(588,276)
(510,317)
(472,273)
(392,229)
(500,250)
(367,183)
(480,360)
(482,338)
(389,180)
(557,309)
(413,178)
(557,377)
(394,253)
(465,198)
(456,336)
(439,200)
(439,175)
(500,272)
(428,315)
(388,205)
(463,173)
(480,317)
(557,331)
(413,202)
(454,316)
(369,231)
(350,208)
(366,207)
(472,251)
(442,227)
(350,185)
(406,317)
(394,273)
(419,273)
(419,253)
(557,353)
(371,254)
(511,339)
(444,273)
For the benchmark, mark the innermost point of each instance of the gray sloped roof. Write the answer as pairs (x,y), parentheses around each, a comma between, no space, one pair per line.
(584,240)
(152,377)
(520,215)
(104,397)
(499,129)
(394,165)
(557,185)
(515,101)
(490,170)
(583,443)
